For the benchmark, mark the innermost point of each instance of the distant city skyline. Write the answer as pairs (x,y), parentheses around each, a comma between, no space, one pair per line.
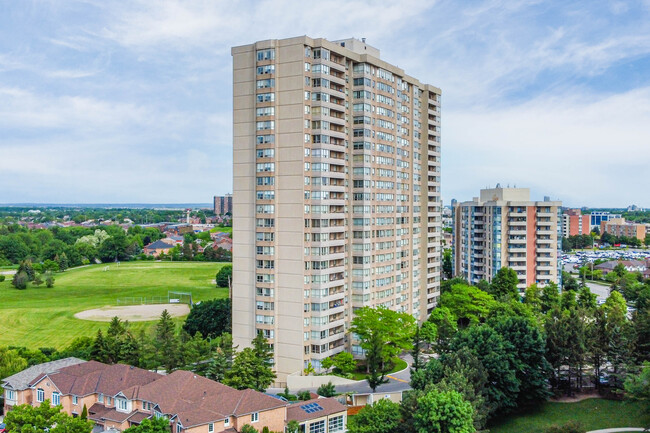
(112,102)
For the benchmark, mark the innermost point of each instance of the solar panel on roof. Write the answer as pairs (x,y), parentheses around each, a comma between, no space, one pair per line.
(311,407)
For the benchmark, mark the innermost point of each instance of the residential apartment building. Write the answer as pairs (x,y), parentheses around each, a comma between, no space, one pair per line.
(504,228)
(223,204)
(336,194)
(620,228)
(120,396)
(597,217)
(574,223)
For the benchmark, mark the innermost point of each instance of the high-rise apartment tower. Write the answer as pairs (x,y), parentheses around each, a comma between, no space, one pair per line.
(336,194)
(223,204)
(504,228)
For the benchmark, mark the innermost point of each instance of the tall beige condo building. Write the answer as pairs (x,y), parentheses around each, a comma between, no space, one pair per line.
(504,228)
(336,196)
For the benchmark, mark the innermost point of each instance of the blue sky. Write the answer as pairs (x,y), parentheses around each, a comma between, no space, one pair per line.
(111,101)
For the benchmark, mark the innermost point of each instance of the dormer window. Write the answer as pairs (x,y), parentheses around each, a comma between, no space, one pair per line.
(121,404)
(226,422)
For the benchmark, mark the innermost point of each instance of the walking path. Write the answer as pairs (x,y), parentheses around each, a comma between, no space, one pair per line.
(620,429)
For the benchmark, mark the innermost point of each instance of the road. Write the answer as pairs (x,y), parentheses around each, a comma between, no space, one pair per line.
(599,290)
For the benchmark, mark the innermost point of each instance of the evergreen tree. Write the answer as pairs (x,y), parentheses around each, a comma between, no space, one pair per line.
(166,343)
(99,349)
(27,267)
(84,413)
(249,371)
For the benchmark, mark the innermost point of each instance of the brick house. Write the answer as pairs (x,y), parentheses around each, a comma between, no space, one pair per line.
(119,396)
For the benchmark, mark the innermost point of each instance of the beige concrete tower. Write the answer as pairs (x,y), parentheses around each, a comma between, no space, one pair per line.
(504,228)
(336,198)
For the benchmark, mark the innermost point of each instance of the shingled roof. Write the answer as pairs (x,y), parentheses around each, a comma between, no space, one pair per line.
(96,377)
(21,380)
(328,406)
(195,400)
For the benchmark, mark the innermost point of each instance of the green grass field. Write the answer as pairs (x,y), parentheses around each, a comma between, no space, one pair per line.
(42,317)
(593,414)
(221,229)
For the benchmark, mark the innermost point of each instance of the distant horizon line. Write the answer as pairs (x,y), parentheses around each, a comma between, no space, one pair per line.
(133,205)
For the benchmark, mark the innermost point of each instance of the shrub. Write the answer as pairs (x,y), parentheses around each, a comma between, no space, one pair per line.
(2,278)
(20,280)
(327,390)
(49,281)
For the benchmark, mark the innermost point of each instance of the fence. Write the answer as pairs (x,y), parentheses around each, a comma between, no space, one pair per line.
(143,300)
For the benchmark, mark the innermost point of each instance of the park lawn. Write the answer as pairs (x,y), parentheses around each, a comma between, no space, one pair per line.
(42,317)
(398,365)
(593,414)
(221,230)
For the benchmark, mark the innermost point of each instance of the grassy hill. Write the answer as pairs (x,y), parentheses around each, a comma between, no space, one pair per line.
(42,317)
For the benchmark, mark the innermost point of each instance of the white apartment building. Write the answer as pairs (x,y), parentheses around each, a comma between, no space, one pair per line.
(504,228)
(336,198)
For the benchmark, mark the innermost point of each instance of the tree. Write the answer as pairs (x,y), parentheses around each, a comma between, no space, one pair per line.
(150,425)
(26,419)
(249,371)
(63,262)
(344,362)
(468,304)
(166,343)
(637,386)
(439,328)
(84,412)
(443,412)
(504,284)
(374,360)
(99,351)
(11,362)
(210,318)
(550,297)
(27,267)
(388,330)
(531,367)
(533,297)
(446,264)
(20,280)
(497,356)
(224,276)
(293,426)
(49,280)
(327,390)
(382,416)
(465,374)
(586,299)
(247,428)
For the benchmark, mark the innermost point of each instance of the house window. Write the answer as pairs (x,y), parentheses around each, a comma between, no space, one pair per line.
(226,422)
(10,395)
(40,395)
(179,428)
(210,428)
(255,416)
(317,427)
(74,399)
(121,404)
(56,398)
(336,424)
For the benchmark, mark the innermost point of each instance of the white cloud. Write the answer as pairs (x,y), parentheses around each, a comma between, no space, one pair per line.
(588,150)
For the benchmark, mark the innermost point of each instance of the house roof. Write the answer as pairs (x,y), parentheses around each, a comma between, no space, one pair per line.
(159,245)
(96,377)
(314,408)
(610,265)
(99,412)
(196,400)
(22,379)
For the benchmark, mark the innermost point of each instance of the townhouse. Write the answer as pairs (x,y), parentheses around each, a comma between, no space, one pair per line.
(120,396)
